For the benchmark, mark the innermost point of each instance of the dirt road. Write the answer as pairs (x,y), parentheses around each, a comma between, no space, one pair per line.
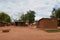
(25,33)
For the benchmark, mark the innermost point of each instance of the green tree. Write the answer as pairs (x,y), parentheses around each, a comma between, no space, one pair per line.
(28,17)
(56,14)
(4,17)
(22,17)
(53,13)
(31,16)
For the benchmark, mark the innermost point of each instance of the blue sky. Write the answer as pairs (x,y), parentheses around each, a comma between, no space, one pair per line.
(15,8)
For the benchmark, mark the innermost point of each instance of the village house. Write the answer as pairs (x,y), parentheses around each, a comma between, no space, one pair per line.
(2,23)
(47,23)
(20,23)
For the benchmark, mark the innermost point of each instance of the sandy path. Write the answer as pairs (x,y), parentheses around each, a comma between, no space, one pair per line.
(24,33)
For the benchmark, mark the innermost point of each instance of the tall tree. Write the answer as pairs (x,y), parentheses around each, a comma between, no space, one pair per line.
(4,17)
(22,17)
(31,16)
(28,17)
(53,13)
(56,14)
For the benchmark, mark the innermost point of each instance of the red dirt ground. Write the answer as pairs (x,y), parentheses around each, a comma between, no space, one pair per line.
(25,33)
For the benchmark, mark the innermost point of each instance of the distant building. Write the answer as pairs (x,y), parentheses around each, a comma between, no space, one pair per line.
(47,23)
(20,23)
(2,23)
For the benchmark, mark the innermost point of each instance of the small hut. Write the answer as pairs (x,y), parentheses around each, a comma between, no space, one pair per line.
(20,23)
(2,23)
(47,23)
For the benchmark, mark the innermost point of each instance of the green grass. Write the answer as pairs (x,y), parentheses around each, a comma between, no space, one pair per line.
(52,30)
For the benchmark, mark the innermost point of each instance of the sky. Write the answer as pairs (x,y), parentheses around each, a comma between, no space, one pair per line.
(16,8)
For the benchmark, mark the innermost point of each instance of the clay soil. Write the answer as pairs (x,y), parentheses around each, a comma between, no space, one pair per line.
(26,33)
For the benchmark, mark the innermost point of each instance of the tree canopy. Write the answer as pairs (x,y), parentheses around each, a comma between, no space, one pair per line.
(4,17)
(56,14)
(28,17)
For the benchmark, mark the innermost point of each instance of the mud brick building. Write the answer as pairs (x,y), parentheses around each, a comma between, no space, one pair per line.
(47,23)
(2,24)
(20,23)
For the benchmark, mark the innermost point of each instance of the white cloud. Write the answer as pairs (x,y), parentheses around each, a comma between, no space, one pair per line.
(42,8)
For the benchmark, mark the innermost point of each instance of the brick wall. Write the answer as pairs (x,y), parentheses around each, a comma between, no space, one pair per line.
(2,24)
(46,23)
